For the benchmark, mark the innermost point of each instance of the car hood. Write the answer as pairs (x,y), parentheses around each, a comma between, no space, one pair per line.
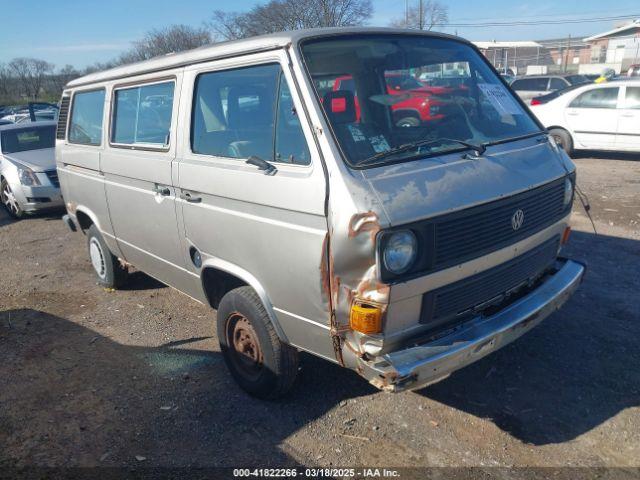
(425,188)
(37,160)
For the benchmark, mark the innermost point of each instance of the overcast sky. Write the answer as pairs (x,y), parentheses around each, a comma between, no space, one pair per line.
(88,31)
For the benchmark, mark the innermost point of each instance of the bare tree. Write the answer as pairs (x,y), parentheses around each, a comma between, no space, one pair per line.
(5,81)
(423,15)
(63,76)
(31,74)
(283,15)
(176,38)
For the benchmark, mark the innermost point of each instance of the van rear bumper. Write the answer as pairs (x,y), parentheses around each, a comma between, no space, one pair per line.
(418,366)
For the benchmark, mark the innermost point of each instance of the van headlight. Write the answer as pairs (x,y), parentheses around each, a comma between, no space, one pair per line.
(399,251)
(568,192)
(27,176)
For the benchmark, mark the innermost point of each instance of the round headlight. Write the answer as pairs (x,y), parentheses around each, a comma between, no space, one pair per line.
(400,251)
(568,192)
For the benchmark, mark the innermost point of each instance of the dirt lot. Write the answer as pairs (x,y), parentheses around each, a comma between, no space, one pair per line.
(90,377)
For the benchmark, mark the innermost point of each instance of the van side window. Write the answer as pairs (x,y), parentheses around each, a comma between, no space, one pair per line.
(85,127)
(142,115)
(291,146)
(234,112)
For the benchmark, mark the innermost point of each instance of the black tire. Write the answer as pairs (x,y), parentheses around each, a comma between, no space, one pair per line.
(266,368)
(563,139)
(106,266)
(9,202)
(407,122)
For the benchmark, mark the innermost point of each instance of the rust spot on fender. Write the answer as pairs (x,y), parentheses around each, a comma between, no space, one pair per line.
(324,269)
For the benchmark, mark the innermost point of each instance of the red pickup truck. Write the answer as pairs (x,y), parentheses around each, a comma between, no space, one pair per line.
(414,104)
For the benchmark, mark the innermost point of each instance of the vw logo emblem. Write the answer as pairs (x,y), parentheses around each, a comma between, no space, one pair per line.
(517,219)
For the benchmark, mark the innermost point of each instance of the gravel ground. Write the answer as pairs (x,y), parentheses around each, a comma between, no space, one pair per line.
(90,377)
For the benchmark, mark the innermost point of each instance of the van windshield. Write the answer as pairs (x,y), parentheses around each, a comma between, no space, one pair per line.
(392,98)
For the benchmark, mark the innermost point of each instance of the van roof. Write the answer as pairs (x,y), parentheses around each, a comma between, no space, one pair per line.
(231,48)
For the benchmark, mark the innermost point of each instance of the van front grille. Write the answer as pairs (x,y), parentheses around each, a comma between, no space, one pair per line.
(487,227)
(458,237)
(473,294)
(61,131)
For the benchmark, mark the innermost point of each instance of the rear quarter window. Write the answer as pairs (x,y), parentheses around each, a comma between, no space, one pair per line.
(85,127)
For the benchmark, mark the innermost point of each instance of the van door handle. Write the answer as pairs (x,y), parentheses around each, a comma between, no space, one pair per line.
(627,115)
(190,198)
(162,190)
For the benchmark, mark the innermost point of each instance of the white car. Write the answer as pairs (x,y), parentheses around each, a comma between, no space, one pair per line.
(28,175)
(603,116)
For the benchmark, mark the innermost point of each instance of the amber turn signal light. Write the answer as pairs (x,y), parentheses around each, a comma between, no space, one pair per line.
(366,318)
(565,235)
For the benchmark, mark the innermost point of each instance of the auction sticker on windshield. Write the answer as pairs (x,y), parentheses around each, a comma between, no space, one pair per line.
(500,98)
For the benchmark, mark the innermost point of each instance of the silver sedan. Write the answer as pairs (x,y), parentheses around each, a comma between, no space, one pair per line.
(28,176)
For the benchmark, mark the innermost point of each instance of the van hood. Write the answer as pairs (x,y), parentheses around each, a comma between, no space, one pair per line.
(37,160)
(425,188)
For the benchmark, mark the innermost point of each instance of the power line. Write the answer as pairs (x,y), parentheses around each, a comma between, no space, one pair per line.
(556,15)
(537,22)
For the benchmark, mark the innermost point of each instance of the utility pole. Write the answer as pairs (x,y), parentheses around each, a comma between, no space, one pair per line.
(421,16)
(567,53)
(406,13)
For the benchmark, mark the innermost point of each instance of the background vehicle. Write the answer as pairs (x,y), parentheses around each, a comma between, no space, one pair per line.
(634,71)
(33,112)
(412,102)
(602,116)
(28,176)
(553,95)
(536,85)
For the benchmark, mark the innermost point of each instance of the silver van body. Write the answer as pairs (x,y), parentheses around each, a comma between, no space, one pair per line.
(307,237)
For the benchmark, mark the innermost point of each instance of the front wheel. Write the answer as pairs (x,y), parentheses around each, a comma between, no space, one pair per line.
(105,264)
(258,361)
(563,139)
(9,200)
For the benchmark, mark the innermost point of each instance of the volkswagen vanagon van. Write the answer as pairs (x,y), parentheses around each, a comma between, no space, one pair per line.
(239,175)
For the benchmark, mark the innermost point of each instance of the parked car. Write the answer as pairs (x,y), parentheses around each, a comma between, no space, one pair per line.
(553,95)
(536,85)
(602,116)
(633,70)
(411,102)
(403,253)
(28,177)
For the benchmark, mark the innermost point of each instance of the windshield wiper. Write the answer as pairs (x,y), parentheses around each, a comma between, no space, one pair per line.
(479,149)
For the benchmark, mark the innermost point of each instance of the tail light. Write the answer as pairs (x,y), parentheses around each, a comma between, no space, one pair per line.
(535,101)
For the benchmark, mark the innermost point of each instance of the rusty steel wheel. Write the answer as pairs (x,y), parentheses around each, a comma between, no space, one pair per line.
(258,360)
(246,352)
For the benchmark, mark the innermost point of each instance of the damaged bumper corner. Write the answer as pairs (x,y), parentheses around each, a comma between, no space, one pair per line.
(424,364)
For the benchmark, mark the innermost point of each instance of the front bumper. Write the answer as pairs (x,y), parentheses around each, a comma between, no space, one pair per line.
(37,198)
(421,365)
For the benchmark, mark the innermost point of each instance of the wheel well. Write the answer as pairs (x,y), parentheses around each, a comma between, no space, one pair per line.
(217,283)
(558,128)
(84,220)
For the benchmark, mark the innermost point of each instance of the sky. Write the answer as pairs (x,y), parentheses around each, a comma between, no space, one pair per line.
(81,33)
